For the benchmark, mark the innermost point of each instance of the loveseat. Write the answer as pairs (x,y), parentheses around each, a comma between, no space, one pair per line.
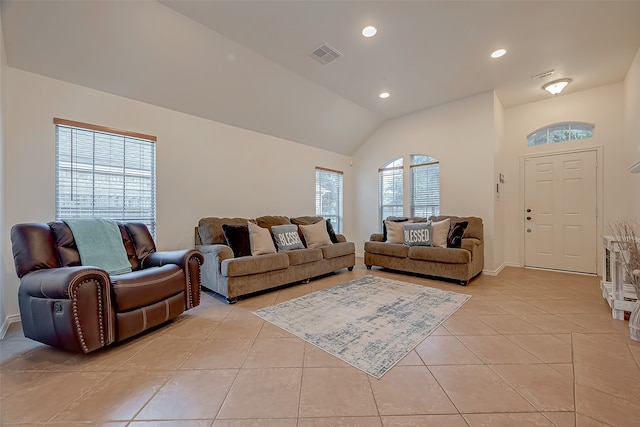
(459,264)
(233,270)
(82,308)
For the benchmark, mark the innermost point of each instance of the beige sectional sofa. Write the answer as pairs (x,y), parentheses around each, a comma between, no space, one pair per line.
(457,264)
(234,277)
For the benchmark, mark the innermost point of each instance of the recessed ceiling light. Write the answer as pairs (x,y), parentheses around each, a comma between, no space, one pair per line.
(369,31)
(556,86)
(498,53)
(384,95)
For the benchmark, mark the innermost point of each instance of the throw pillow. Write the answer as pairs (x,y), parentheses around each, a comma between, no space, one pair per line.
(456,231)
(440,231)
(393,219)
(286,237)
(332,233)
(237,237)
(316,234)
(395,233)
(260,240)
(417,234)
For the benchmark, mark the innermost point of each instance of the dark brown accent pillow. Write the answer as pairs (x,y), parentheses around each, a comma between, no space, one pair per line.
(456,231)
(332,233)
(237,237)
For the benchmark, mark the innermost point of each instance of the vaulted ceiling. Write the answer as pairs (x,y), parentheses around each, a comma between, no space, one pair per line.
(247,63)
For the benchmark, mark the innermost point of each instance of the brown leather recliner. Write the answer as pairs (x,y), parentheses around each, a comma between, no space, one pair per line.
(81,308)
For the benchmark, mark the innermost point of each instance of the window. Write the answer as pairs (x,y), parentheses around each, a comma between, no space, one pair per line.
(105,173)
(425,186)
(390,182)
(560,132)
(329,196)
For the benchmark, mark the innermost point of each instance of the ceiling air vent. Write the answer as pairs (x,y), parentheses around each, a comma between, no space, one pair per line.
(325,54)
(543,75)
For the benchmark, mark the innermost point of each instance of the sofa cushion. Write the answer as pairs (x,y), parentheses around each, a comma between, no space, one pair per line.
(237,237)
(210,229)
(269,221)
(338,249)
(144,287)
(417,234)
(389,249)
(245,266)
(456,231)
(440,232)
(260,240)
(437,254)
(304,256)
(286,237)
(315,235)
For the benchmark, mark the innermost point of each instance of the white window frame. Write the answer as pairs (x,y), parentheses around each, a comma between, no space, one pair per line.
(390,188)
(568,131)
(424,186)
(329,196)
(104,172)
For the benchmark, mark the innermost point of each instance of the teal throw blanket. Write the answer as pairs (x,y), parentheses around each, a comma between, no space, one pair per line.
(100,244)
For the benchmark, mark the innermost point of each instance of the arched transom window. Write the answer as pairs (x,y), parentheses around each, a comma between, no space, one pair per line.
(560,132)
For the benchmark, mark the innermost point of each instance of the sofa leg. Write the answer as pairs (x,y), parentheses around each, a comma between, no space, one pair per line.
(368,267)
(305,281)
(463,282)
(232,300)
(350,268)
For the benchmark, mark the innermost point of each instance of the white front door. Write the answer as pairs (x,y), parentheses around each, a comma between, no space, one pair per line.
(560,212)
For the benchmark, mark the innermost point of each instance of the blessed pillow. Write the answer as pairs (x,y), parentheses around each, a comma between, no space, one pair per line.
(417,234)
(316,234)
(237,237)
(260,240)
(456,231)
(395,233)
(286,237)
(440,231)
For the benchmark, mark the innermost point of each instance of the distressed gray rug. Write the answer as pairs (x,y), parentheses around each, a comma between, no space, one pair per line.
(371,323)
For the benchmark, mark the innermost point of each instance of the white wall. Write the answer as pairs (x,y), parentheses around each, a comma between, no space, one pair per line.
(462,136)
(204,168)
(602,106)
(632,134)
(499,168)
(4,295)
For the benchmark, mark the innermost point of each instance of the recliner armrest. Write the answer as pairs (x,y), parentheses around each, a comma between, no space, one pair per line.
(60,283)
(189,261)
(68,307)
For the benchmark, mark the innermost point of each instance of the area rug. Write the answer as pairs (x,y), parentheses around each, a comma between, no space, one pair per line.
(370,323)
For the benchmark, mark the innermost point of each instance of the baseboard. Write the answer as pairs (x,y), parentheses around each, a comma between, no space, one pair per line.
(500,268)
(7,322)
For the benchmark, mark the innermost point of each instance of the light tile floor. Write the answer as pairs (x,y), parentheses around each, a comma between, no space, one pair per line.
(531,348)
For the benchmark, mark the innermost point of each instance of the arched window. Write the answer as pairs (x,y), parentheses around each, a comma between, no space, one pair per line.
(560,132)
(425,186)
(390,183)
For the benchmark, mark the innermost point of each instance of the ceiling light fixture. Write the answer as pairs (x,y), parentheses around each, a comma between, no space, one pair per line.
(498,53)
(369,31)
(556,86)
(384,95)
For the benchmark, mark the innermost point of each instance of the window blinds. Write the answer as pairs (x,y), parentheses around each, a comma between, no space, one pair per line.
(425,189)
(104,174)
(390,192)
(329,196)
